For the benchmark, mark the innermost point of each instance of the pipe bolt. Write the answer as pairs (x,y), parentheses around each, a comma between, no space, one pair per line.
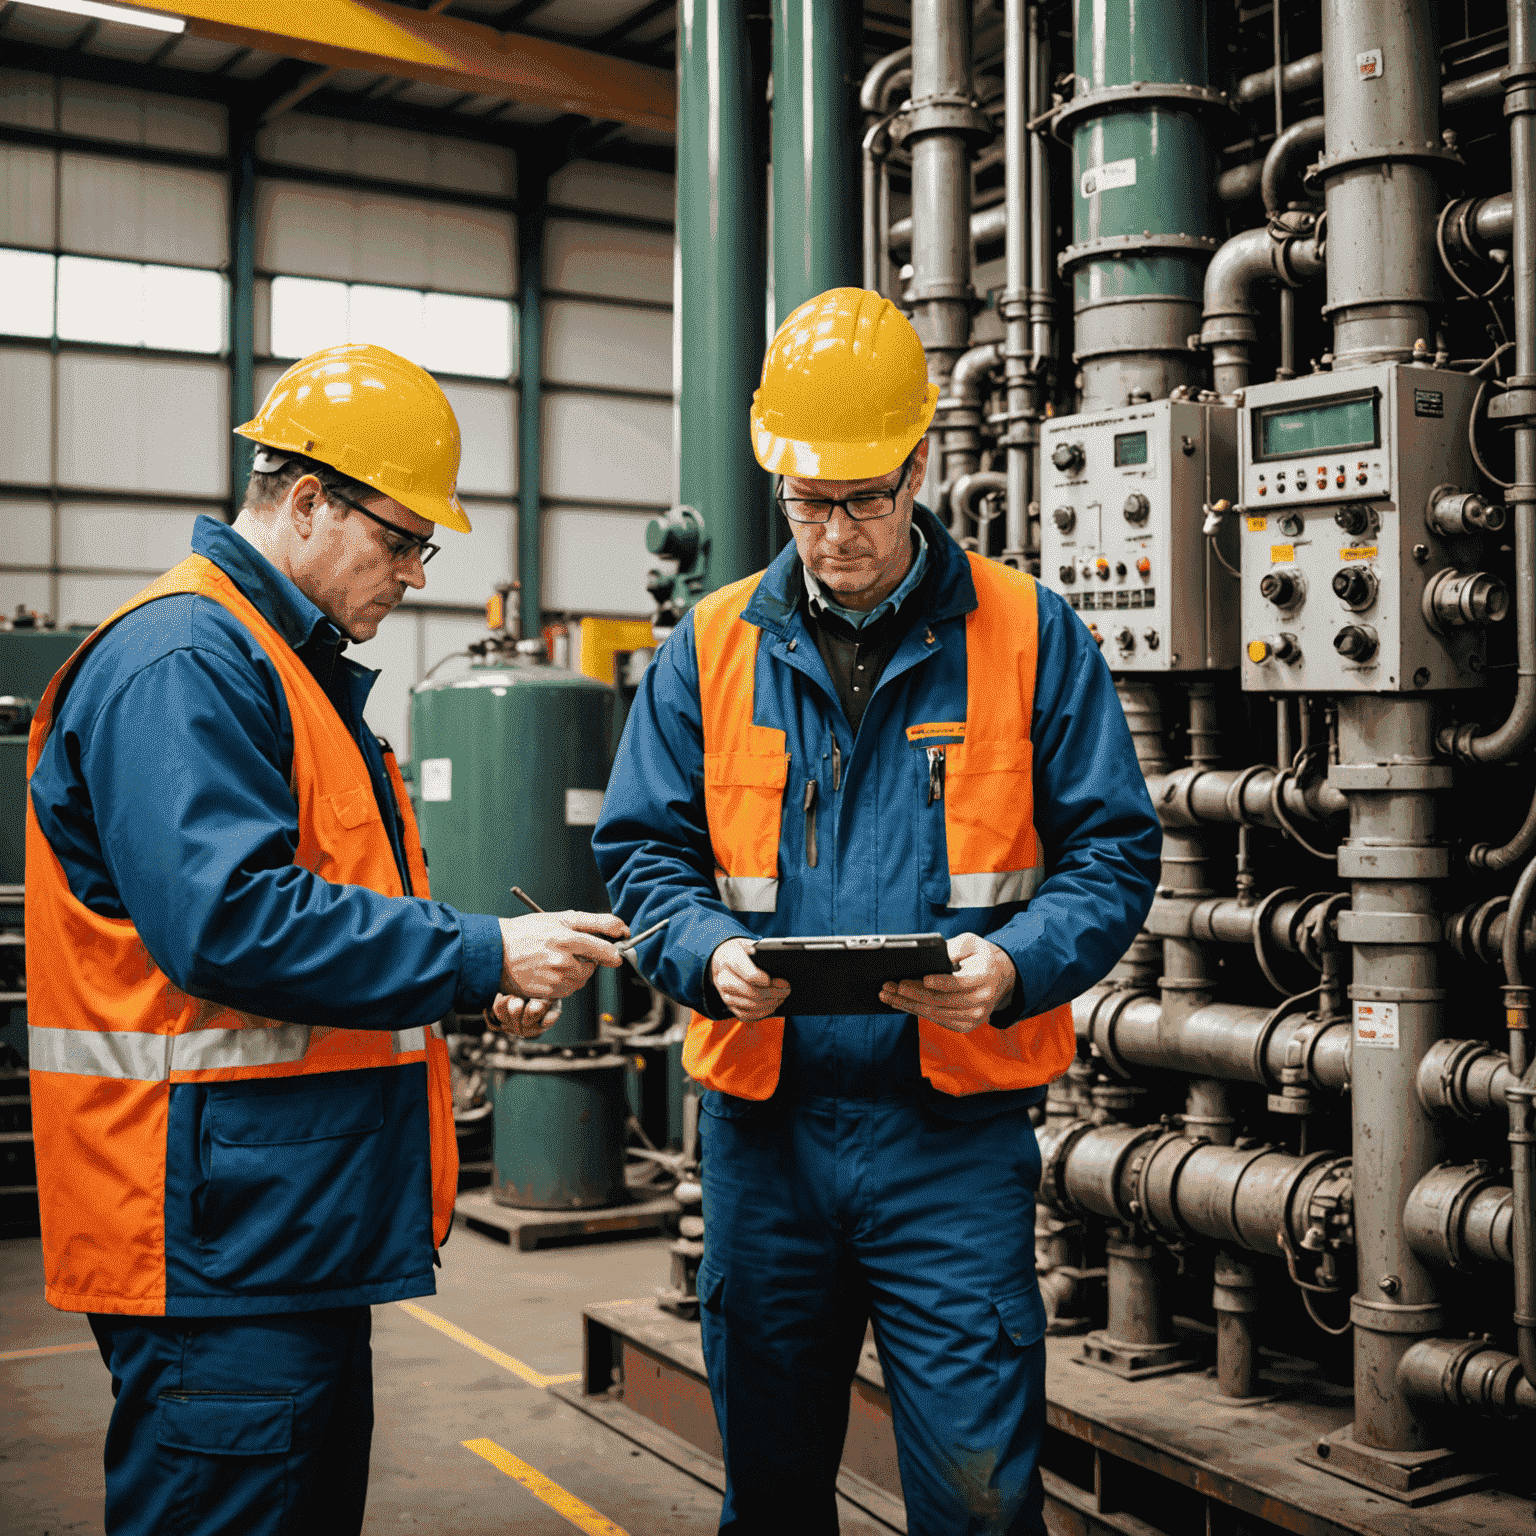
(1390,1285)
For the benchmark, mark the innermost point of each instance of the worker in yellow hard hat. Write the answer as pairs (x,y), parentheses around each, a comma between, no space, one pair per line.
(240,1091)
(878,735)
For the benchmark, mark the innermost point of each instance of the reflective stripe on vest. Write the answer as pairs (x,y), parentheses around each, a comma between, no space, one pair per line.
(994,856)
(104,1021)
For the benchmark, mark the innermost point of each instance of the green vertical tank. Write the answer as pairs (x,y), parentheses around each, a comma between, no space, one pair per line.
(511,758)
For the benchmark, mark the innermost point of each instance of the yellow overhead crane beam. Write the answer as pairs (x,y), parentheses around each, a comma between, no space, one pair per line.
(439,50)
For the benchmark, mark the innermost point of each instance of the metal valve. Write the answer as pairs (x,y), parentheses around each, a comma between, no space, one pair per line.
(1355,586)
(1457,599)
(1452,512)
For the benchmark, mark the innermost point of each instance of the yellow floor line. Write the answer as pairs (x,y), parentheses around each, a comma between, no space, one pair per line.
(582,1516)
(496,1356)
(56,1349)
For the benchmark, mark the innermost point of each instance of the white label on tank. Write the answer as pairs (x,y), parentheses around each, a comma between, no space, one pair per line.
(1369,64)
(437,778)
(1105,178)
(1376,1025)
(582,807)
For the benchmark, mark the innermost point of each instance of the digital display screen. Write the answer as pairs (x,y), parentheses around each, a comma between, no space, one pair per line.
(1130,448)
(1306,431)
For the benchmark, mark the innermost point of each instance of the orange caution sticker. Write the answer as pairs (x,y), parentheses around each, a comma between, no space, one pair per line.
(1279,553)
(1358,552)
(1257,524)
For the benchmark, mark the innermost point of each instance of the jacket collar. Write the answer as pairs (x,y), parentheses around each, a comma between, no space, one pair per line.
(947,590)
(274,595)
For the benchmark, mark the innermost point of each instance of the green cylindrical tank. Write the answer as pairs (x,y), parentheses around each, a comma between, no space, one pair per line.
(1144,213)
(510,761)
(560,1114)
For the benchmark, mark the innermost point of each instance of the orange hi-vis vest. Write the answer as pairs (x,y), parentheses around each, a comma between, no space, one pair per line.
(109,1034)
(994,855)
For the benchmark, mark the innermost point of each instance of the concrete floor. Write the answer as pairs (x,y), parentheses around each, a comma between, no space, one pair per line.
(431,1394)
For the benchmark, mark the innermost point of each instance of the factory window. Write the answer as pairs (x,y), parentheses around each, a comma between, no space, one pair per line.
(121,303)
(445,332)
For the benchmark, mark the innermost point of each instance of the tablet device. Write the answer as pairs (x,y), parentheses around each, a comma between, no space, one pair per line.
(843,974)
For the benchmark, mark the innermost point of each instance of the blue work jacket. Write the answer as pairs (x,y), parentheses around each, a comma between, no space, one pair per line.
(879,835)
(163,789)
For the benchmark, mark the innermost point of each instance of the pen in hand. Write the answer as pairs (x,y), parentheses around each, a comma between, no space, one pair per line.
(629,943)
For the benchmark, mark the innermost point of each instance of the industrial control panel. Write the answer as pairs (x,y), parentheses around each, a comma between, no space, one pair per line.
(1122,502)
(1363,535)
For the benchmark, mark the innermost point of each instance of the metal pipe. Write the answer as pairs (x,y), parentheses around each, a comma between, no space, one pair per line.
(533,197)
(1299,75)
(1227,1042)
(242,304)
(1518,730)
(1471,90)
(937,130)
(1240,182)
(880,79)
(1230,315)
(721,279)
(1466,1374)
(883,79)
(963,407)
(1465,1078)
(1457,1217)
(1522,1128)
(1235,1299)
(1301,138)
(987,226)
(1188,796)
(1042,301)
(968,492)
(1019,60)
(1391,857)
(1381,163)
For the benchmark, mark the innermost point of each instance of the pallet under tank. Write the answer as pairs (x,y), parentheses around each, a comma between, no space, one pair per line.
(1158,1457)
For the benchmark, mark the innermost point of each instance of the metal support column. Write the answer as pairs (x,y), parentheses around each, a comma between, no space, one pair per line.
(533,197)
(721,285)
(816,150)
(242,283)
(1389,770)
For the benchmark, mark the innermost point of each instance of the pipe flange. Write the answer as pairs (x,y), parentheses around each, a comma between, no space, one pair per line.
(1237,789)
(944,112)
(1480,930)
(1261,916)
(1191,98)
(1115,246)
(1331,1170)
(1261,1044)
(1436,156)
(1101,1034)
(1142,1168)
(1456,1214)
(1053,1169)
(1118,1168)
(1255,1153)
(1444,1070)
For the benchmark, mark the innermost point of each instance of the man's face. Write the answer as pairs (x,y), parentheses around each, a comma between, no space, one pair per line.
(354,571)
(859,562)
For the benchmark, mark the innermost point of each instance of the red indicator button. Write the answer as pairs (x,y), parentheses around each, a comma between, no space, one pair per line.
(1264,489)
(1339,480)
(1144,566)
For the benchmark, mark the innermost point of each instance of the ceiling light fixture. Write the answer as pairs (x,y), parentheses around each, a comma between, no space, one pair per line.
(153,20)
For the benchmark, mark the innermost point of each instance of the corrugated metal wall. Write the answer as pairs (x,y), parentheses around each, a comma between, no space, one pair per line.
(114,380)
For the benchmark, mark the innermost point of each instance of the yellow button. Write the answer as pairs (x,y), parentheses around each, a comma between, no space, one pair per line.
(1258,651)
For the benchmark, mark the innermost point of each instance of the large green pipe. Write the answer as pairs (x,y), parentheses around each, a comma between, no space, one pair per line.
(816,157)
(242,301)
(1145,216)
(533,196)
(721,284)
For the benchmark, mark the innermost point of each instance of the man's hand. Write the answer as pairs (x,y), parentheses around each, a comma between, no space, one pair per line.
(969,997)
(751,994)
(527,1018)
(553,954)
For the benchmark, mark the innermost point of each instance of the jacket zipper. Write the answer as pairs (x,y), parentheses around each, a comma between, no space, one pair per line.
(935,774)
(837,766)
(810,823)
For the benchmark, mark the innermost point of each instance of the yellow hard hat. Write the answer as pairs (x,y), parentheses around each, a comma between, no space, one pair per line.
(376,417)
(845,392)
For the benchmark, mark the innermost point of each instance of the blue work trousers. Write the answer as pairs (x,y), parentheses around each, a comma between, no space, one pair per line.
(238,1426)
(823,1213)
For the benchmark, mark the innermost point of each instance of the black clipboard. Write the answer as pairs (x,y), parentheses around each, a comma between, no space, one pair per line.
(843,974)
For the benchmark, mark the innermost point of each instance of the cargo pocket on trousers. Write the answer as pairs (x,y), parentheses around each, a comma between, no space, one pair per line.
(710,1283)
(1022,1316)
(231,1455)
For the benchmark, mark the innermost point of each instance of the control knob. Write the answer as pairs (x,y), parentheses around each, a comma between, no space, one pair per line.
(1285,589)
(1125,639)
(1137,508)
(1355,586)
(1065,518)
(1355,642)
(1353,518)
(1067,456)
(1274,648)
(1068,574)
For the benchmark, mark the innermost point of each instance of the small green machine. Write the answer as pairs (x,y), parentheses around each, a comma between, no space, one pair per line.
(510,759)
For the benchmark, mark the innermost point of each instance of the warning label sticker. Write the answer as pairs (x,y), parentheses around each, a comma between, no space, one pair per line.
(1105,178)
(436,778)
(1369,64)
(1376,1025)
(1358,552)
(1280,553)
(1257,524)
